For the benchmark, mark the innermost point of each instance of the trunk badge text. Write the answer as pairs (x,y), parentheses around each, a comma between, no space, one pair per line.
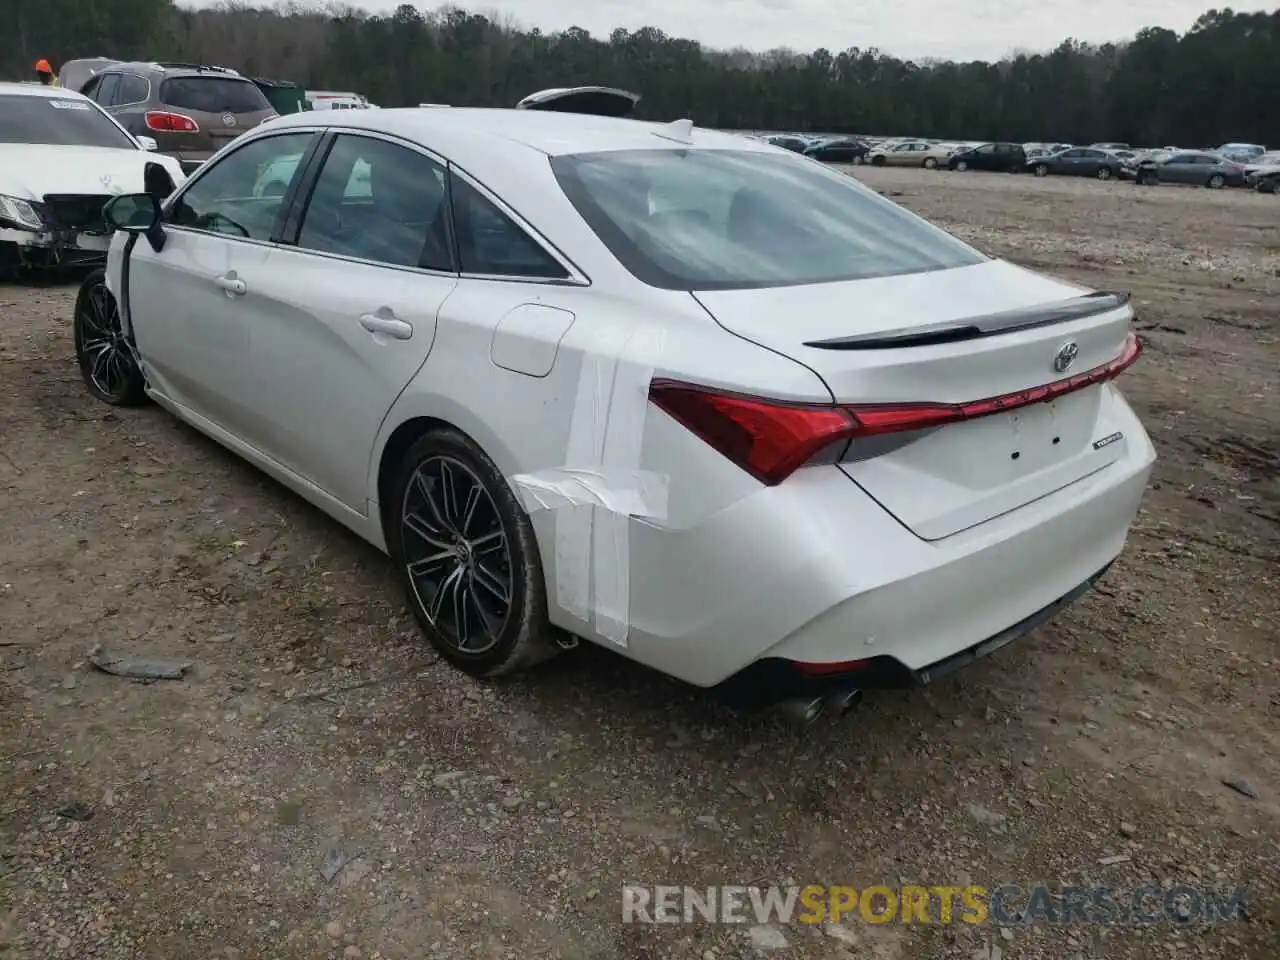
(1066,356)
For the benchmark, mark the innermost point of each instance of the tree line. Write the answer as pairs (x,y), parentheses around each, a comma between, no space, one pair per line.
(1214,83)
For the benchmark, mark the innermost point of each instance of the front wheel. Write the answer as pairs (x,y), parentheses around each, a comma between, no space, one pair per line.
(106,359)
(877,161)
(1042,170)
(962,165)
(467,558)
(930,163)
(1216,182)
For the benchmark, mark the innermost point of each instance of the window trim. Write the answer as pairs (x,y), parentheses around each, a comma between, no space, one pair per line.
(203,171)
(311,168)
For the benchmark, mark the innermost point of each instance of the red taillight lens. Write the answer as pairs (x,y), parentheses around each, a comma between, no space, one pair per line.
(771,439)
(768,439)
(164,122)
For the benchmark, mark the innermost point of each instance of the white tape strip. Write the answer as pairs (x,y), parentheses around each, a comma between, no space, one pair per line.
(601,487)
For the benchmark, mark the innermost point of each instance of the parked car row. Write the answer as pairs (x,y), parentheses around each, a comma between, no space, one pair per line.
(1231,165)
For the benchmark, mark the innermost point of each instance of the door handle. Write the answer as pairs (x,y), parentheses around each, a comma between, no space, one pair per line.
(391,326)
(232,284)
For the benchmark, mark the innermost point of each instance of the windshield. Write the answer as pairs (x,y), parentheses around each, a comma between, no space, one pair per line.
(719,219)
(60,121)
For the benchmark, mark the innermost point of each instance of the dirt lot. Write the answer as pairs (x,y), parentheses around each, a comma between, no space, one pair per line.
(501,821)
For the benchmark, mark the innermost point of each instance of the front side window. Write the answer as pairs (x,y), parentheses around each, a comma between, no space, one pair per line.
(379,201)
(58,121)
(719,219)
(492,244)
(227,197)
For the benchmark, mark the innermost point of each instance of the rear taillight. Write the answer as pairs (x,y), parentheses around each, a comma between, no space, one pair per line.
(164,122)
(771,439)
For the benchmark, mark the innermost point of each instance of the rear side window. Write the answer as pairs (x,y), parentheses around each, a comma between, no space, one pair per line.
(719,219)
(132,89)
(492,244)
(381,202)
(213,95)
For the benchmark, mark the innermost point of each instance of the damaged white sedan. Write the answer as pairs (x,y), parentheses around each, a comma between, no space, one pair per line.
(61,158)
(686,395)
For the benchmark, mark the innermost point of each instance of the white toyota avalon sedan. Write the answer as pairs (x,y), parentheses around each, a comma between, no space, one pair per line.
(683,394)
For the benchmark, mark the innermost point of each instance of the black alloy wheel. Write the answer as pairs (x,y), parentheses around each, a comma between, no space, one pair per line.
(106,358)
(468,559)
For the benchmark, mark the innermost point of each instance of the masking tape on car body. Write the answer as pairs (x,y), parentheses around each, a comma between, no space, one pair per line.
(601,486)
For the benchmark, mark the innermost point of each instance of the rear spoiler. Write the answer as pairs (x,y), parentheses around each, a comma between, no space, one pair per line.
(988,325)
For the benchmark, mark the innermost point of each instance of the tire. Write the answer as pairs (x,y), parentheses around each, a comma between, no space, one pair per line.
(930,163)
(1104,173)
(962,165)
(858,160)
(877,161)
(1216,182)
(1042,170)
(106,360)
(1273,186)
(492,560)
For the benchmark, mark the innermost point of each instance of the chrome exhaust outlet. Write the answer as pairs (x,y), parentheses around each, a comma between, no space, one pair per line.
(802,710)
(844,701)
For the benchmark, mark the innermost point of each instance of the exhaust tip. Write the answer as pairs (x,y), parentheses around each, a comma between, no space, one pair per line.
(844,701)
(802,710)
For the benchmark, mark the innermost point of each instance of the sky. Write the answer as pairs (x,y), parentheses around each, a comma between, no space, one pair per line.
(915,29)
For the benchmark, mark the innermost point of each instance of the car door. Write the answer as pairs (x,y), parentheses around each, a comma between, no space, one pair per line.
(984,158)
(347,315)
(1088,161)
(1180,168)
(191,304)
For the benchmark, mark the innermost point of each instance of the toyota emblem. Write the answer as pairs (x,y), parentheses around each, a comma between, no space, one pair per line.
(229,119)
(1066,356)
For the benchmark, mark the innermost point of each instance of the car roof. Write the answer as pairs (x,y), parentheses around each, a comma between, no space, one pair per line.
(39,90)
(174,69)
(463,129)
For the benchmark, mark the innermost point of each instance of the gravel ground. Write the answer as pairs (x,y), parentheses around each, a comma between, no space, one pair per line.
(501,821)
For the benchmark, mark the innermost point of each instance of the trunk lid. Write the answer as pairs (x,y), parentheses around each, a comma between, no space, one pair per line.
(950,337)
(597,101)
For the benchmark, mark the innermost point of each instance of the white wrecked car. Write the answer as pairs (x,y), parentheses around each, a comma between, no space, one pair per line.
(61,159)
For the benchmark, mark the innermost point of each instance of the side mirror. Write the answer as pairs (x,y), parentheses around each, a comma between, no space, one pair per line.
(136,213)
(132,212)
(148,144)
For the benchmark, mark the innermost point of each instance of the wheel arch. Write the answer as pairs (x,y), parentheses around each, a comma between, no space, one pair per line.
(410,419)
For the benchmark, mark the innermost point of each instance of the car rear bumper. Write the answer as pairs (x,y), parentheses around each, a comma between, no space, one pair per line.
(814,573)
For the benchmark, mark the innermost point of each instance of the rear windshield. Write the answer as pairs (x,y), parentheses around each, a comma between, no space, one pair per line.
(213,95)
(63,121)
(717,219)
